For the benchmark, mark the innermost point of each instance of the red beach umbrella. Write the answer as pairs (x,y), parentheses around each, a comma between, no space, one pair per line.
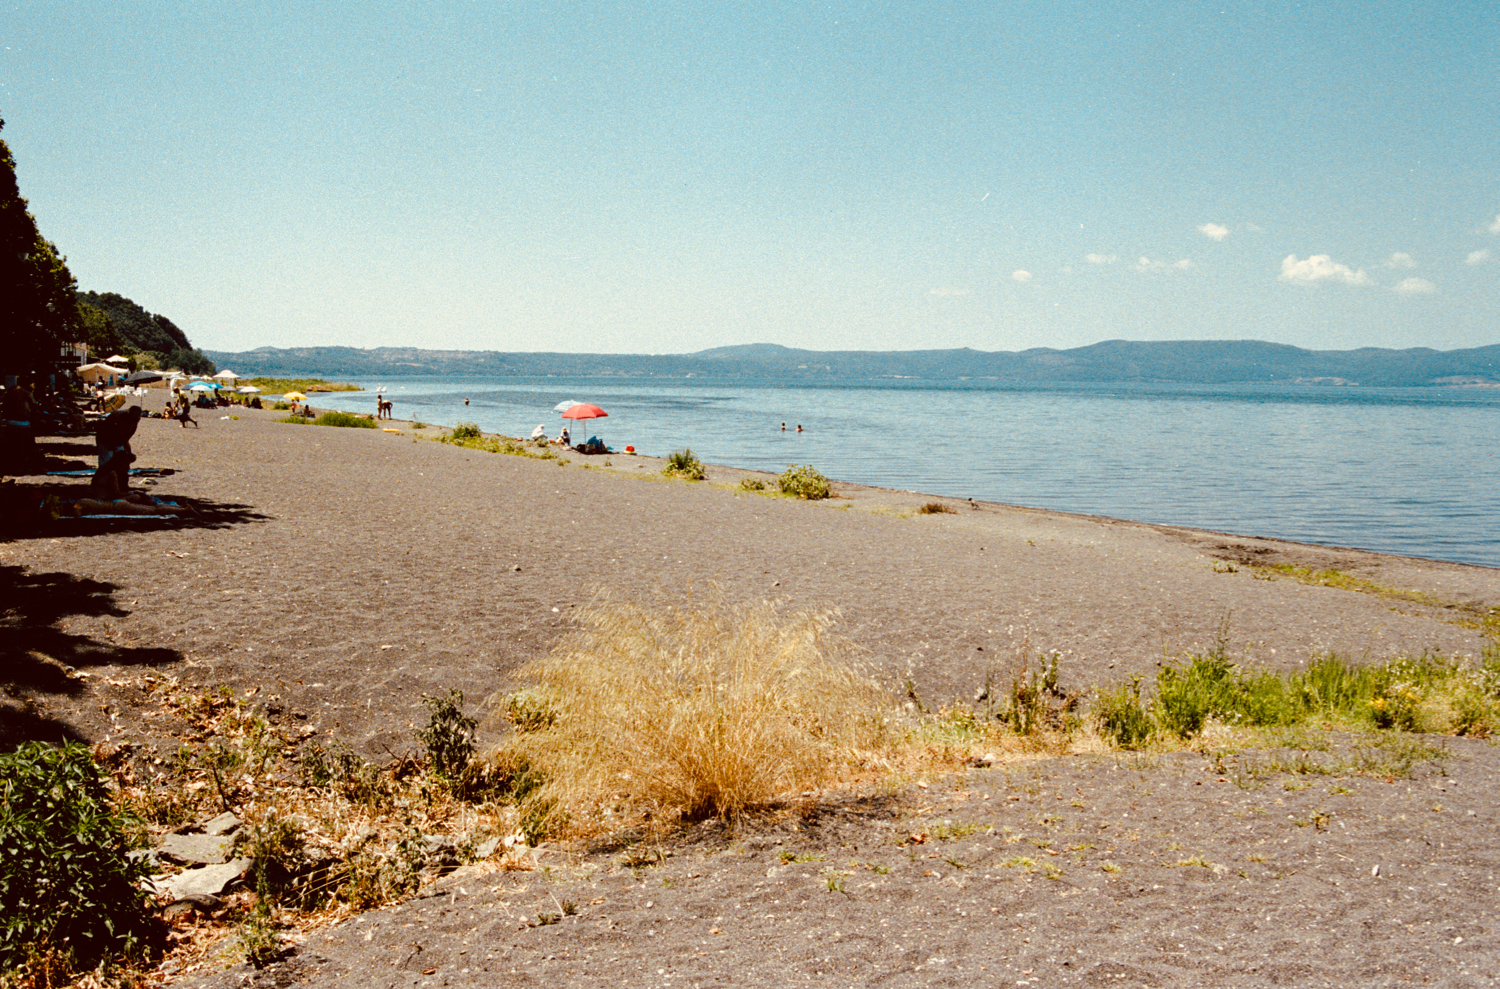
(582,411)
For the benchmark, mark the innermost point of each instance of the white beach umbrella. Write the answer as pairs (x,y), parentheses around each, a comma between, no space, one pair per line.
(248,390)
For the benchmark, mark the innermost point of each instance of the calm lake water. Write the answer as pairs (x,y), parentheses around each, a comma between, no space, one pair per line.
(1399,470)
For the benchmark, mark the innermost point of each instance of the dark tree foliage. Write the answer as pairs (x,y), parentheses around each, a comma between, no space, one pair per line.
(191,361)
(137,328)
(98,329)
(38,307)
(141,331)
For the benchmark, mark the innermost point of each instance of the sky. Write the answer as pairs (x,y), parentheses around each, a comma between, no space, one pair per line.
(663,177)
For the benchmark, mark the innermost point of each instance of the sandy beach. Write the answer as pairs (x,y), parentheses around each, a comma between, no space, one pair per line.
(351,571)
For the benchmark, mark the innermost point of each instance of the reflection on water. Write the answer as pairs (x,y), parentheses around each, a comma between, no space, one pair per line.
(1407,471)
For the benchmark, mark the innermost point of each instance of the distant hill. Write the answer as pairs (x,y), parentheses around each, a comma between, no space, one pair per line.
(1178,361)
(139,330)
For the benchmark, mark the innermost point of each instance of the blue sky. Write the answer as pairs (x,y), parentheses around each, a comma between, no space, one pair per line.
(665,177)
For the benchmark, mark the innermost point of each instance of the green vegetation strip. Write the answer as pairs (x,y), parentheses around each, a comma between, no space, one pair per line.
(280,386)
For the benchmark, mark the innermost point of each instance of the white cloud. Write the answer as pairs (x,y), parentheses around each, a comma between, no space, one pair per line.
(1214,231)
(1100,258)
(1478,257)
(1146,264)
(1021,276)
(1399,260)
(1494,227)
(948,290)
(1320,268)
(1414,286)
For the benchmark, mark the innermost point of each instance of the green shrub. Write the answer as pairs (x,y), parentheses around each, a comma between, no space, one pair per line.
(466,431)
(419,425)
(280,406)
(752,484)
(803,482)
(65,883)
(1187,696)
(344,419)
(1035,703)
(684,464)
(448,735)
(1121,716)
(937,508)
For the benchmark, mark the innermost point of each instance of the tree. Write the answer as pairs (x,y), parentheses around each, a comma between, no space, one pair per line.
(98,329)
(38,301)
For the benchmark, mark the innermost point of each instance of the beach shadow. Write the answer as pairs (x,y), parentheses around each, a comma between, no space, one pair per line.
(72,447)
(38,658)
(20,521)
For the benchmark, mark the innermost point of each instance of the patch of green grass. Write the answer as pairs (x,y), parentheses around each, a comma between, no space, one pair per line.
(493,444)
(788,857)
(343,419)
(937,508)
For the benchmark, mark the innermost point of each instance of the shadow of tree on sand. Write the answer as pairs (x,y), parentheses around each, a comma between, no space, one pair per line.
(38,657)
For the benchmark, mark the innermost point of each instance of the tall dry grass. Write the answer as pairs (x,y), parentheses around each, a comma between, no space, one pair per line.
(690,712)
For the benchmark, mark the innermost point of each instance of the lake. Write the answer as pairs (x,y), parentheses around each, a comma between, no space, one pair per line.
(1398,470)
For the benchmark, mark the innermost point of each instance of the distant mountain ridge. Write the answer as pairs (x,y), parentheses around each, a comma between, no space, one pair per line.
(1175,361)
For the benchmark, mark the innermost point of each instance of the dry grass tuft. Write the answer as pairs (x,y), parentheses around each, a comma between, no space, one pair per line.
(692,712)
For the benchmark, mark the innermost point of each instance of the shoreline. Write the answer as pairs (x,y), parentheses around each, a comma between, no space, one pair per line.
(1322,493)
(1295,548)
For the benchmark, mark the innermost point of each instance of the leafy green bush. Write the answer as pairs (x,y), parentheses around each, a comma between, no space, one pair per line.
(684,464)
(803,482)
(344,419)
(448,735)
(1186,696)
(466,431)
(1122,718)
(65,883)
(752,484)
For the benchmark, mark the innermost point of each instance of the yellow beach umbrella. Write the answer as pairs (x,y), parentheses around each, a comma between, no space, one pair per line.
(295,396)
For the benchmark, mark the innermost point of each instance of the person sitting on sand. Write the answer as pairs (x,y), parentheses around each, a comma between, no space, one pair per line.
(563,438)
(112,478)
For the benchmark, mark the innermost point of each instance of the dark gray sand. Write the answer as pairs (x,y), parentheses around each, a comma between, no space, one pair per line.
(351,571)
